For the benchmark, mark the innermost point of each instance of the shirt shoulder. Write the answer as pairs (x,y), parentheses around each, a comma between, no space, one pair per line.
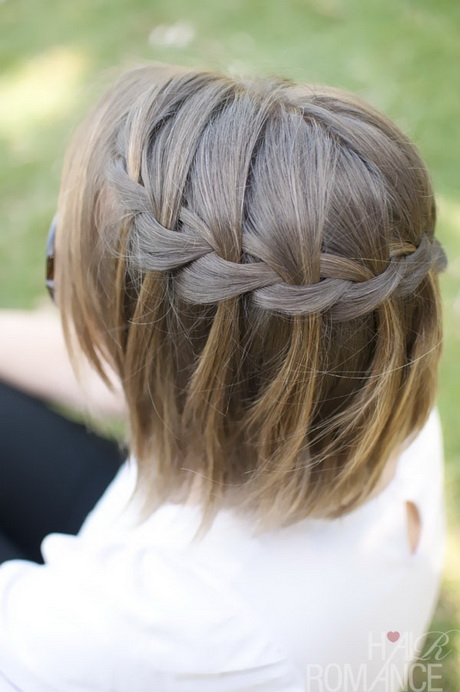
(128,616)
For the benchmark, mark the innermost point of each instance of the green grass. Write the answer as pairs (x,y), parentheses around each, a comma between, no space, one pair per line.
(402,55)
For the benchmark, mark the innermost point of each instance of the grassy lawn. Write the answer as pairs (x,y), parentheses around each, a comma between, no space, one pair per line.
(402,55)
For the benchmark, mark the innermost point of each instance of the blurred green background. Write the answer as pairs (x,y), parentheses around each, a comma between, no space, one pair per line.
(402,56)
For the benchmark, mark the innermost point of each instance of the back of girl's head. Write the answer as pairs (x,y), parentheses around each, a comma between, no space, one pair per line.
(257,260)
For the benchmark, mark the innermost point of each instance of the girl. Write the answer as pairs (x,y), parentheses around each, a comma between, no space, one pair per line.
(255,260)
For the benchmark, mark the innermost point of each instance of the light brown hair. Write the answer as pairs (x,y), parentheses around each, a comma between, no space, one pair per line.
(257,260)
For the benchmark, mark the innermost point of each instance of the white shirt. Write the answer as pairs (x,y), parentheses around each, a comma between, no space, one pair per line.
(142,609)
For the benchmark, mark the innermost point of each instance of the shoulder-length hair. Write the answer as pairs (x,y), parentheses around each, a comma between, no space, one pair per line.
(256,259)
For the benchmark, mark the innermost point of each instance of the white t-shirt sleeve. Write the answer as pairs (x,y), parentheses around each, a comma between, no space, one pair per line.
(126,617)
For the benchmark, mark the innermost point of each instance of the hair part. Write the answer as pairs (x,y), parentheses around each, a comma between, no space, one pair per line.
(256,258)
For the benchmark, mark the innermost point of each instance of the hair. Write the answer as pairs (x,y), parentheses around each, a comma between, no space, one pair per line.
(256,259)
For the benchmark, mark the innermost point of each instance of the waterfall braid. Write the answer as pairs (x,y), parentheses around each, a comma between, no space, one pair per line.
(257,260)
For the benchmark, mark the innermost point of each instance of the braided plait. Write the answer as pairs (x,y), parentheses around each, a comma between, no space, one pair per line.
(257,259)
(346,289)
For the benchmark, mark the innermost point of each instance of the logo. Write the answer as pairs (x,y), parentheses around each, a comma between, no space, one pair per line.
(388,661)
